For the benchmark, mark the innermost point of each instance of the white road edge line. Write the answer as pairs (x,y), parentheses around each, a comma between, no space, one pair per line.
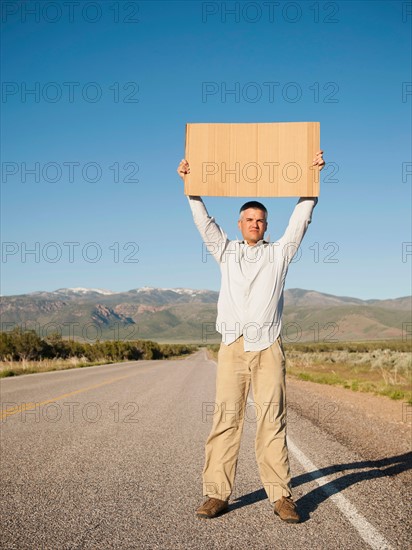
(367,531)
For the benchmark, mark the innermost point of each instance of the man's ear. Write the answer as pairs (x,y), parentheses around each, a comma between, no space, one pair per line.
(238,223)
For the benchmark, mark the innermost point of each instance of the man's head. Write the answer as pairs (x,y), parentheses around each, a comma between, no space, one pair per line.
(253,221)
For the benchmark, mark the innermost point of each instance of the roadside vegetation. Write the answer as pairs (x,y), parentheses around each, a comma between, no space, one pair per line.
(379,367)
(24,352)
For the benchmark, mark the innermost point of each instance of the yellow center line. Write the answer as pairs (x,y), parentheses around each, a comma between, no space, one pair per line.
(29,406)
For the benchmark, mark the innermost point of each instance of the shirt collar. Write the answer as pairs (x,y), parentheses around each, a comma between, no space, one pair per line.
(262,241)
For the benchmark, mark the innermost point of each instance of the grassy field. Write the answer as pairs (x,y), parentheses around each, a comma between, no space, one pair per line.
(382,368)
(15,368)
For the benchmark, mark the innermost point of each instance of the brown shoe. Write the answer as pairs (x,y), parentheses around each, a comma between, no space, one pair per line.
(285,508)
(211,508)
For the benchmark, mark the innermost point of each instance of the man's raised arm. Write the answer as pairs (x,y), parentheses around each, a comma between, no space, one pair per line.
(212,234)
(300,219)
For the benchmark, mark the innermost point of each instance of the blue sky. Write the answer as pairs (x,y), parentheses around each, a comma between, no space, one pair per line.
(89,157)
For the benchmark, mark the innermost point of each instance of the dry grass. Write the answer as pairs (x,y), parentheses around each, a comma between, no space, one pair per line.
(15,368)
(385,369)
(381,371)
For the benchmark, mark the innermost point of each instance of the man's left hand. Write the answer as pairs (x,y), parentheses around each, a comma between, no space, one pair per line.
(318,160)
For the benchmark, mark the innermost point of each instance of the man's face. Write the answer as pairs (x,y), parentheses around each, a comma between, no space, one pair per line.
(252,223)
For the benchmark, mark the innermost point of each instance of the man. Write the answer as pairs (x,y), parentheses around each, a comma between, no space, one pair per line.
(249,318)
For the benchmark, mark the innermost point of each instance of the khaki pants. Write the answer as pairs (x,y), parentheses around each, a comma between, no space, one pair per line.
(236,369)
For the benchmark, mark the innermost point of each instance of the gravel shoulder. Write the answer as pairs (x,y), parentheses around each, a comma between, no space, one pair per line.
(376,427)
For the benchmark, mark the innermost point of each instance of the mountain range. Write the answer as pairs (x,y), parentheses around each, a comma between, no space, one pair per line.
(188,315)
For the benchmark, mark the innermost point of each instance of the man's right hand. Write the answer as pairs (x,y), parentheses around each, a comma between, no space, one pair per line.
(183,169)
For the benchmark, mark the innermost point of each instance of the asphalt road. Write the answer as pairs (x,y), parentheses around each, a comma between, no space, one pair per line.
(111,457)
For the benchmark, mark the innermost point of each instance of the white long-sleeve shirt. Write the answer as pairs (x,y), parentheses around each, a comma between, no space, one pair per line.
(253,277)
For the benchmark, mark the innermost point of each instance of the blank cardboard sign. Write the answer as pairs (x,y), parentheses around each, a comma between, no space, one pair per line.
(271,159)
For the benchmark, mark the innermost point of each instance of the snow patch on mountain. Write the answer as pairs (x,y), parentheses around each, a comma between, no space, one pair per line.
(187,291)
(80,290)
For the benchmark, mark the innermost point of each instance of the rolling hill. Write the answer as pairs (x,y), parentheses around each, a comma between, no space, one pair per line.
(188,315)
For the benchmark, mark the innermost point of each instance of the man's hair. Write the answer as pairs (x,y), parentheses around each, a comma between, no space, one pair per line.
(253,204)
